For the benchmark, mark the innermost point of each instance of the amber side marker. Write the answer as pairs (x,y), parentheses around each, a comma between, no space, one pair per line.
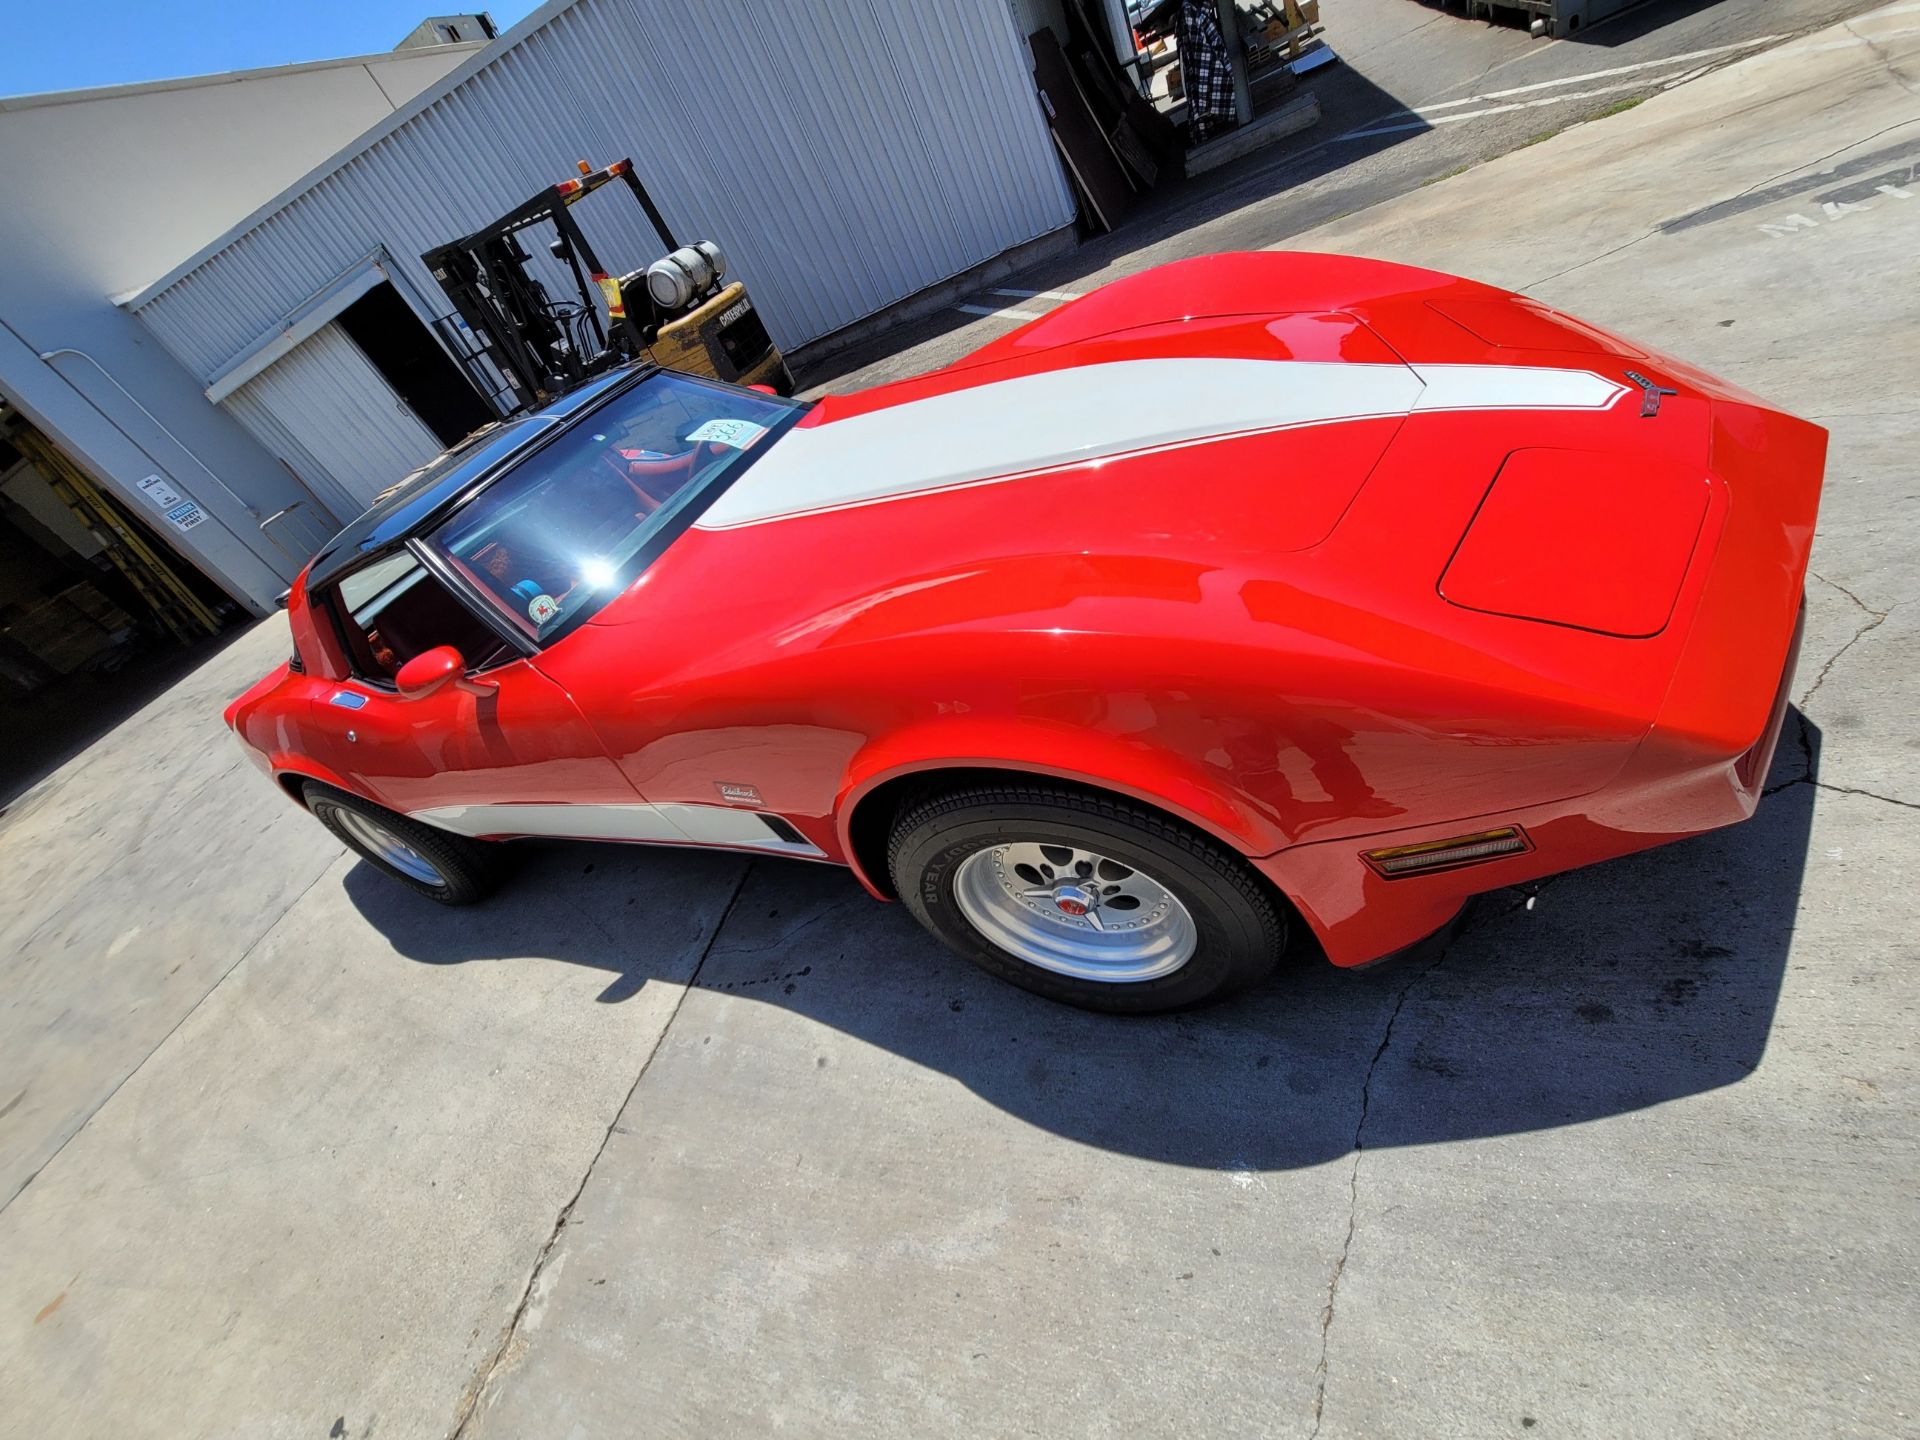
(1431,855)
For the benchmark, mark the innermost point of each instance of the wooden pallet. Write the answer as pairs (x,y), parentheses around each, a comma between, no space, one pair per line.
(1280,31)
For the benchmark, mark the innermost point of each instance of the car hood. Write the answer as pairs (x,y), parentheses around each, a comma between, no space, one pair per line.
(1169,416)
(1017,426)
(1174,360)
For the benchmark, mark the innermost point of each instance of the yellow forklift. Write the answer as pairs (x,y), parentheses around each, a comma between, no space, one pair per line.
(678,312)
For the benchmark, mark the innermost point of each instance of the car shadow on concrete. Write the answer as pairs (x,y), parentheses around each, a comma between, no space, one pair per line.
(1621,986)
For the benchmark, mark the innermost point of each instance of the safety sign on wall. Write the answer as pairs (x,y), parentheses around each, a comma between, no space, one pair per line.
(181,514)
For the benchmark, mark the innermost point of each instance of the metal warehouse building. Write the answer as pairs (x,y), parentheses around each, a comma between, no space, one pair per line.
(844,153)
(178,433)
(107,188)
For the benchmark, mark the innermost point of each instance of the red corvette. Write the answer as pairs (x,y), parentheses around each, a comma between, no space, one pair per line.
(1251,592)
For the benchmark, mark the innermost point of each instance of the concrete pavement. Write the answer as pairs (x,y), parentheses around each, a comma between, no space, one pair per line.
(1638,1159)
(136,877)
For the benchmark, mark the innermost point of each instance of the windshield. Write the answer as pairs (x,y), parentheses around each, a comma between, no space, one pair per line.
(568,528)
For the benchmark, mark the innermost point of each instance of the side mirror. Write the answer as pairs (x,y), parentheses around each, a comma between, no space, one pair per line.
(764,389)
(429,671)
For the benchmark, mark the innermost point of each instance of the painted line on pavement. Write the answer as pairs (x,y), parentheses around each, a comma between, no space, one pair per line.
(1014,312)
(1430,122)
(1426,116)
(1007,314)
(1607,74)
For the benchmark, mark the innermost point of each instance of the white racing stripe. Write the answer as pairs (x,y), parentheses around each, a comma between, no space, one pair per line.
(724,825)
(1033,424)
(1513,387)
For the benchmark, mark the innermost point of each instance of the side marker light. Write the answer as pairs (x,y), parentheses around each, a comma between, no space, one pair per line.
(1398,860)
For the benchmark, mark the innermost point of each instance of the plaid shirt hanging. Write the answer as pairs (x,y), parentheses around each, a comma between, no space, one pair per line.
(1207,70)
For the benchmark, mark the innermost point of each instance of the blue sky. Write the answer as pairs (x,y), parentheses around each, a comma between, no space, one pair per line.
(70,46)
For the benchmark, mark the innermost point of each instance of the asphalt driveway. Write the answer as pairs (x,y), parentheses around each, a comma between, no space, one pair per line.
(690,1144)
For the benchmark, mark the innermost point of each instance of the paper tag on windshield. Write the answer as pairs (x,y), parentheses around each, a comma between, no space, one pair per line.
(543,608)
(737,433)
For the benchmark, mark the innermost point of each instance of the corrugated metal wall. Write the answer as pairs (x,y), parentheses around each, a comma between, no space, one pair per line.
(329,414)
(844,153)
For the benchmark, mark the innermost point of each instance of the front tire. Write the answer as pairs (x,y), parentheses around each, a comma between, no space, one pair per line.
(448,868)
(1086,899)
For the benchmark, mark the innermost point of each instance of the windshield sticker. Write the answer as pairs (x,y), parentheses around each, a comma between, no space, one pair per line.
(737,433)
(543,608)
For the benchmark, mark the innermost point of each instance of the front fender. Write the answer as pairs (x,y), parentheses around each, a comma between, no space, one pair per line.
(284,768)
(1135,769)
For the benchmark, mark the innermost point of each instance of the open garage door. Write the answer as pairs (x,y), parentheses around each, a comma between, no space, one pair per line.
(95,606)
(332,417)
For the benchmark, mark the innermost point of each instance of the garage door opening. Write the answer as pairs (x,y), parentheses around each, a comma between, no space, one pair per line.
(407,356)
(97,612)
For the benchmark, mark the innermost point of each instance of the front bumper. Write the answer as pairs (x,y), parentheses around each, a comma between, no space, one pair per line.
(1667,791)
(1705,757)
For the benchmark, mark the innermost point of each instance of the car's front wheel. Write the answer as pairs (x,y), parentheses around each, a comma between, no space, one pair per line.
(449,868)
(1084,898)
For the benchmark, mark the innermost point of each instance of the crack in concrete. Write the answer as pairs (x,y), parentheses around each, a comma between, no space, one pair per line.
(470,1401)
(1528,893)
(1805,738)
(1848,790)
(1887,61)
(1594,260)
(1869,794)
(1842,790)
(1878,619)
(1808,778)
(792,932)
(1835,584)
(1353,1195)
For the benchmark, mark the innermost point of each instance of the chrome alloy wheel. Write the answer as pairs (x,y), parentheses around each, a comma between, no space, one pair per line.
(388,846)
(1075,912)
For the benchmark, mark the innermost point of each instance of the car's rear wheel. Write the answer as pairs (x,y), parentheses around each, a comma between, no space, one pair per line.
(1084,898)
(449,868)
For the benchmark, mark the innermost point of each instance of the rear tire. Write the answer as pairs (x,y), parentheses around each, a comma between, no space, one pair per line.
(444,867)
(1085,899)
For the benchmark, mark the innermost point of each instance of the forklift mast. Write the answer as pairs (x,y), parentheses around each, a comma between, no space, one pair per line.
(674,311)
